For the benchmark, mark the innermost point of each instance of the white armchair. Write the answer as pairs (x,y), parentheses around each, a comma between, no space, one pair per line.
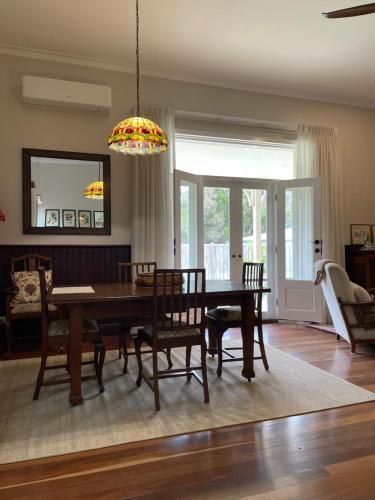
(351,307)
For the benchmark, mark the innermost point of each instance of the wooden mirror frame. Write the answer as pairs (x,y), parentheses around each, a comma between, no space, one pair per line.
(64,155)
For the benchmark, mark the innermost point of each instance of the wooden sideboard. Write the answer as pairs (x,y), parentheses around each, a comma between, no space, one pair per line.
(360,265)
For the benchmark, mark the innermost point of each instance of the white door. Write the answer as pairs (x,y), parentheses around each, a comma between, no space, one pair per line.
(221,223)
(299,245)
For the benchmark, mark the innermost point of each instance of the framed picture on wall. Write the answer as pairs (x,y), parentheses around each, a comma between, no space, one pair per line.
(52,217)
(360,233)
(98,218)
(84,218)
(69,218)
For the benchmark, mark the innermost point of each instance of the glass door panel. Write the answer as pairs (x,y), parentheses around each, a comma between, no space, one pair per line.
(188,224)
(254,230)
(216,232)
(299,233)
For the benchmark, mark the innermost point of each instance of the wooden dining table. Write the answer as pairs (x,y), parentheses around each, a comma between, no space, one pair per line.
(126,300)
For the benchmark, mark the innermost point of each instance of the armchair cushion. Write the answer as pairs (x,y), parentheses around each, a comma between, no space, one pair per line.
(26,287)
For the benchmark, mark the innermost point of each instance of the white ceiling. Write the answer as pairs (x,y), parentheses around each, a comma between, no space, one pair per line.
(276,46)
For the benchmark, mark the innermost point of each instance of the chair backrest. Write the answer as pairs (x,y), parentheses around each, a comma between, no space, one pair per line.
(43,301)
(30,262)
(179,299)
(252,273)
(337,288)
(128,271)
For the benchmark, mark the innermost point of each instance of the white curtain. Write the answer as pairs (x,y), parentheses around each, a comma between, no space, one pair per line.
(319,155)
(152,196)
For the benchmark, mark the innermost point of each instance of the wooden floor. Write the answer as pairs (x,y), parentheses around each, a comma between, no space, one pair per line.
(323,455)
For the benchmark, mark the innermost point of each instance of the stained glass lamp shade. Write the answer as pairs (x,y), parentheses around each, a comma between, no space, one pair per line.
(95,190)
(138,136)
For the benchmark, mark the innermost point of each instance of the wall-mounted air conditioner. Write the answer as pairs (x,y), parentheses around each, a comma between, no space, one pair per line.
(52,93)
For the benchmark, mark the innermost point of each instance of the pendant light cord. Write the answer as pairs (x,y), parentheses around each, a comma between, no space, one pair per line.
(137,52)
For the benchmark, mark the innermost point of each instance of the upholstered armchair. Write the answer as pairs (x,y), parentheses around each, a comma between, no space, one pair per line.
(352,308)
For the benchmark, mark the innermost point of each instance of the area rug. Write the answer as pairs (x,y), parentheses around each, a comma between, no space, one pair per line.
(123,413)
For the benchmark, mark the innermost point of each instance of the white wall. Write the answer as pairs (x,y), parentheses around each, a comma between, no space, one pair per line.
(58,130)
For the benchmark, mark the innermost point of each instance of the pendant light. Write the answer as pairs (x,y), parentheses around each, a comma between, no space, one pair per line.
(137,135)
(95,190)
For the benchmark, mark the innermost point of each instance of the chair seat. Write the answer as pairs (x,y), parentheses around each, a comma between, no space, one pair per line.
(226,314)
(164,333)
(61,327)
(31,307)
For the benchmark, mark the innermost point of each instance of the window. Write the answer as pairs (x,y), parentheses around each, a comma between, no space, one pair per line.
(231,158)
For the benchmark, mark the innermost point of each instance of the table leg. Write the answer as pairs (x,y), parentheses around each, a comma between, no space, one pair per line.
(247,331)
(75,329)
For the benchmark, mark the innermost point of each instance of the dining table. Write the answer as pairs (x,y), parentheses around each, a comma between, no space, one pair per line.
(127,300)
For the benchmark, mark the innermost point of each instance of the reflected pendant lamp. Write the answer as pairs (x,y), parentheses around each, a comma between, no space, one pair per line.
(137,135)
(95,190)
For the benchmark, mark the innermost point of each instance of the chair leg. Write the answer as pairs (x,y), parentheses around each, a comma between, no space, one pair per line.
(100,349)
(8,332)
(39,380)
(204,371)
(137,346)
(188,356)
(126,355)
(211,340)
(155,379)
(261,346)
(96,358)
(353,346)
(68,358)
(120,344)
(338,336)
(219,342)
(169,359)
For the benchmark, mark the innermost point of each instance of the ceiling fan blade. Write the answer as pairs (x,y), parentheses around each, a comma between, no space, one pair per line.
(360,10)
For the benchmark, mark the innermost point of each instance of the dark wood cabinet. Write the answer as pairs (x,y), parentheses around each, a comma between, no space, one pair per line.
(360,265)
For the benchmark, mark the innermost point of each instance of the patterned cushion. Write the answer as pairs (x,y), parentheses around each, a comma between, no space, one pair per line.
(30,308)
(26,286)
(162,334)
(226,313)
(61,327)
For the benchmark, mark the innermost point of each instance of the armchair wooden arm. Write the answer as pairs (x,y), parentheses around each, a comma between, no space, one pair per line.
(359,311)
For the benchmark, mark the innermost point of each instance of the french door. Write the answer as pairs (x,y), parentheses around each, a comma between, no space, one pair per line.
(221,223)
(299,245)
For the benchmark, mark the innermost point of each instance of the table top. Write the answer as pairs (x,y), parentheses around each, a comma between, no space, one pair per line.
(127,291)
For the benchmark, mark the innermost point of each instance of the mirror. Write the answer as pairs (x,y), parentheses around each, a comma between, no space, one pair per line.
(66,193)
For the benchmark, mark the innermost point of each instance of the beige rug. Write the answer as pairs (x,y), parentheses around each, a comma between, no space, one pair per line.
(50,426)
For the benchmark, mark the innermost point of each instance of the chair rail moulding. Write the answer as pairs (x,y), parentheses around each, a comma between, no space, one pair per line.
(54,187)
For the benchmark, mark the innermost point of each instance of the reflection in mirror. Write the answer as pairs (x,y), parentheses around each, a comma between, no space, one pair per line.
(66,193)
(58,193)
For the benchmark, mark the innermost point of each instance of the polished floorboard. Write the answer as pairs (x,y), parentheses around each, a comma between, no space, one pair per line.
(323,455)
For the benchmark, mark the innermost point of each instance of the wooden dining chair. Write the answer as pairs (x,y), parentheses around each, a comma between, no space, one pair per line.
(222,318)
(23,299)
(56,338)
(178,321)
(127,273)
